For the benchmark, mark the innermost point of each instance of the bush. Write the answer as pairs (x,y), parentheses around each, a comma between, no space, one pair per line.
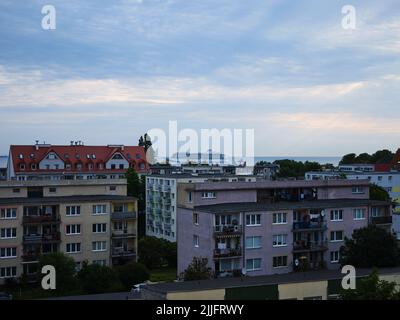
(95,278)
(132,273)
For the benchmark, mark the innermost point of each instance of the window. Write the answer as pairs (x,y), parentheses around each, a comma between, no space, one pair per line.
(336,236)
(359,214)
(52,190)
(73,210)
(22,166)
(100,262)
(379,178)
(8,213)
(99,227)
(196,218)
(196,241)
(113,188)
(68,166)
(375,212)
(73,229)
(113,166)
(8,272)
(335,256)
(279,262)
(279,240)
(99,245)
(8,233)
(390,178)
(16,190)
(208,195)
(190,199)
(336,215)
(33,166)
(253,242)
(279,218)
(73,247)
(253,264)
(10,252)
(99,209)
(357,190)
(253,220)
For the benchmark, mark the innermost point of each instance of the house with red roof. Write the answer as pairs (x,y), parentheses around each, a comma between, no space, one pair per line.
(73,162)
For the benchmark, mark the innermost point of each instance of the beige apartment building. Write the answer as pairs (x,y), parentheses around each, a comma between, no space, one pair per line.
(89,220)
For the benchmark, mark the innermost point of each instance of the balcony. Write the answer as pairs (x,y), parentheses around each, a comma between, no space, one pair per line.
(166,188)
(229,273)
(227,253)
(381,220)
(121,252)
(30,256)
(223,230)
(117,234)
(309,225)
(41,219)
(166,201)
(302,246)
(37,238)
(123,215)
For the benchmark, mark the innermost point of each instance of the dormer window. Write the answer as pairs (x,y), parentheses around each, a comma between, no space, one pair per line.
(66,156)
(32,156)
(138,156)
(90,166)
(93,156)
(117,156)
(22,166)
(77,155)
(21,156)
(68,166)
(100,166)
(33,166)
(88,156)
(51,156)
(79,166)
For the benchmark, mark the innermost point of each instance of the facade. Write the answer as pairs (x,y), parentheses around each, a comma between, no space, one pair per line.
(73,162)
(3,167)
(91,221)
(161,197)
(271,227)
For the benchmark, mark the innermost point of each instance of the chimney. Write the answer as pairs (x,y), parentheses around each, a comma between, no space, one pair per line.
(37,145)
(72,143)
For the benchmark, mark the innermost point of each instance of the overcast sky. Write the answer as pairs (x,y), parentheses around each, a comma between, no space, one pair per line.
(287,69)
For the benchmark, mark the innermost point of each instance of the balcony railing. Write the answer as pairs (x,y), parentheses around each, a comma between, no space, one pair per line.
(121,252)
(297,226)
(55,236)
(166,201)
(310,246)
(227,229)
(229,273)
(123,234)
(31,256)
(40,219)
(166,188)
(227,253)
(123,215)
(381,220)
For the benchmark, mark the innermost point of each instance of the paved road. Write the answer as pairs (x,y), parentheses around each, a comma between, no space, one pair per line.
(102,296)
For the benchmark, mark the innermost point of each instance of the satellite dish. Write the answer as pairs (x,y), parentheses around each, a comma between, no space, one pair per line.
(296,262)
(323,213)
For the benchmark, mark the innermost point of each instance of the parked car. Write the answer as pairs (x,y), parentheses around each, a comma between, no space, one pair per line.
(137,287)
(5,296)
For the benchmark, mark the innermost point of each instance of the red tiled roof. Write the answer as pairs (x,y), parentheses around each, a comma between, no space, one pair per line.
(75,154)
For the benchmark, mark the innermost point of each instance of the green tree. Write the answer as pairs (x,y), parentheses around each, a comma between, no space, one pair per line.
(349,158)
(370,247)
(378,193)
(198,270)
(382,156)
(371,288)
(95,278)
(65,270)
(296,169)
(151,252)
(155,253)
(132,273)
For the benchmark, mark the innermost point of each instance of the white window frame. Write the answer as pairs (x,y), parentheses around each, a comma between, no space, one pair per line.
(72,227)
(277,218)
(99,226)
(335,233)
(96,211)
(6,231)
(280,240)
(9,272)
(253,246)
(255,220)
(253,263)
(8,253)
(72,213)
(356,213)
(357,190)
(209,195)
(335,214)
(196,241)
(8,213)
(75,246)
(99,246)
(336,255)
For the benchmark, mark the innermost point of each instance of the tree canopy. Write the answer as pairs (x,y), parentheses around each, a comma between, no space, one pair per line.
(370,247)
(132,273)
(155,253)
(378,193)
(145,141)
(198,270)
(381,156)
(95,278)
(296,169)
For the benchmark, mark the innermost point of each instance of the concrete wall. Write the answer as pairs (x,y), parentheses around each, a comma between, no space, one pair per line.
(217,294)
(303,290)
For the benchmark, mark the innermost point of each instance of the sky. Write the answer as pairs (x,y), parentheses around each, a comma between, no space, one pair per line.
(112,70)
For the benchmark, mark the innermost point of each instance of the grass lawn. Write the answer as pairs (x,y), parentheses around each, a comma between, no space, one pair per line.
(163,274)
